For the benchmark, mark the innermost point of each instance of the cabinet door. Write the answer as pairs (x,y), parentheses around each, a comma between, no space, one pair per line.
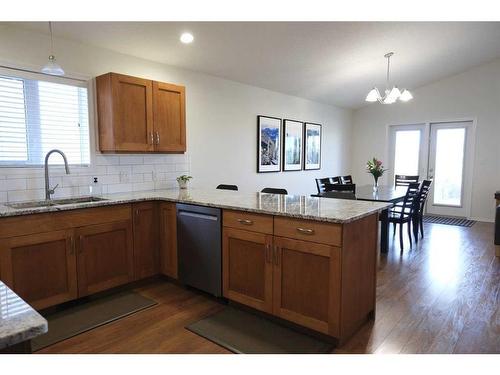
(104,256)
(169,117)
(40,268)
(307,284)
(168,239)
(146,256)
(132,119)
(247,268)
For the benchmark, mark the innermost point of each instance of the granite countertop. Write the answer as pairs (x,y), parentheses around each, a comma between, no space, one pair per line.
(298,206)
(18,320)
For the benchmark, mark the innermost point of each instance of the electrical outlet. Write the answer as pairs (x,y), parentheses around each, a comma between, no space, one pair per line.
(123,177)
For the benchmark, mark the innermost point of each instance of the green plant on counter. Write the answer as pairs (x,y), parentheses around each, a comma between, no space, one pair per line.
(184,178)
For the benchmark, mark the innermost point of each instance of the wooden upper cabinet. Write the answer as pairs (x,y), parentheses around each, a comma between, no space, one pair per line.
(140,115)
(146,256)
(40,268)
(169,117)
(125,113)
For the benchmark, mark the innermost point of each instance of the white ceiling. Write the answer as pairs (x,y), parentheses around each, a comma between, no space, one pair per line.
(330,62)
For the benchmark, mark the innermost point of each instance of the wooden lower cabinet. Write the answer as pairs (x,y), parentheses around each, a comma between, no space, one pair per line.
(306,284)
(146,254)
(247,268)
(168,239)
(105,256)
(40,268)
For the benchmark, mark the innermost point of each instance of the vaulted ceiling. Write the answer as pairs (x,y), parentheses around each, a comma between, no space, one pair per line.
(330,62)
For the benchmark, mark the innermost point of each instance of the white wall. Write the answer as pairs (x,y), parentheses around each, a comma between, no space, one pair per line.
(474,94)
(221,117)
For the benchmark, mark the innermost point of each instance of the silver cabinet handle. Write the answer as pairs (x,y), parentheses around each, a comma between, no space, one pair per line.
(276,255)
(268,254)
(305,231)
(72,246)
(157,138)
(152,138)
(245,221)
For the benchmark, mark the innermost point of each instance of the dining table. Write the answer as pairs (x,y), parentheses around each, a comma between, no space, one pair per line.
(384,193)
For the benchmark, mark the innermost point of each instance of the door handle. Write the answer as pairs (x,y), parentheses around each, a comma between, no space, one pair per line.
(80,250)
(245,221)
(152,138)
(305,231)
(268,254)
(277,255)
(157,138)
(72,246)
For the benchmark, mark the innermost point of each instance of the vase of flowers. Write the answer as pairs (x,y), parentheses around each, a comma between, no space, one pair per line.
(376,169)
(183,181)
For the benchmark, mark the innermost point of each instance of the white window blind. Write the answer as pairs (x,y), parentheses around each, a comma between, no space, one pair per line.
(37,115)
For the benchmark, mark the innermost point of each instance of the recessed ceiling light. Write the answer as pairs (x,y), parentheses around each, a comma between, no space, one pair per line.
(187,38)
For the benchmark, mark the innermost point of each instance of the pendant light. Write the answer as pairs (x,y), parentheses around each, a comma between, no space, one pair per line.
(390,95)
(52,67)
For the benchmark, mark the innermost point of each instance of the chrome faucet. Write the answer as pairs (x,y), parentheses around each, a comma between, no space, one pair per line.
(48,190)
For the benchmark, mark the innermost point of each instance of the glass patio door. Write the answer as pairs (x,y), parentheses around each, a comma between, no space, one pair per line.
(408,150)
(449,168)
(442,152)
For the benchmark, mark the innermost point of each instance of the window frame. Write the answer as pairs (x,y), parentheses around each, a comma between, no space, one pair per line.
(65,80)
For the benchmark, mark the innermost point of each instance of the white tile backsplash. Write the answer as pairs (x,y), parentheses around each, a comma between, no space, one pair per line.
(115,173)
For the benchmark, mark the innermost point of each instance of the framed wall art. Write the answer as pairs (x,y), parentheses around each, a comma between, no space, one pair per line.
(268,144)
(293,136)
(312,146)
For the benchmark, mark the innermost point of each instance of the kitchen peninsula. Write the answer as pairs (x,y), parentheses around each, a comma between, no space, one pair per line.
(309,261)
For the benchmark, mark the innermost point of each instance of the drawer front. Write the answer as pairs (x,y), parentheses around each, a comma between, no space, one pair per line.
(248,221)
(308,230)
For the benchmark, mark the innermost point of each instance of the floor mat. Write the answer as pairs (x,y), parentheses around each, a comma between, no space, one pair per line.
(461,222)
(246,333)
(88,315)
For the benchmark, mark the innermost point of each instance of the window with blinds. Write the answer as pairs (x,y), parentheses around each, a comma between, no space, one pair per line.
(37,116)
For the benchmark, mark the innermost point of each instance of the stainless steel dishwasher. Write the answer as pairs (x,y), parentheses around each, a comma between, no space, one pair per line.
(199,247)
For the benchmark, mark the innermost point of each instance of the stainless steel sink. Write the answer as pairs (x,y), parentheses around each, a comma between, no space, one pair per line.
(54,202)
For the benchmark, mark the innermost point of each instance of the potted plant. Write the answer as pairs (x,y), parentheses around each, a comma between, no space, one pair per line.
(376,169)
(183,181)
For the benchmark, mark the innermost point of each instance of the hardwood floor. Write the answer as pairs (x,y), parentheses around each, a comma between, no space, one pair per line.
(442,296)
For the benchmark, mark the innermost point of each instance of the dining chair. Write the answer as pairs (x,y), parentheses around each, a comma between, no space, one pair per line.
(274,191)
(404,180)
(227,187)
(418,214)
(339,195)
(346,179)
(341,187)
(321,182)
(403,214)
(336,180)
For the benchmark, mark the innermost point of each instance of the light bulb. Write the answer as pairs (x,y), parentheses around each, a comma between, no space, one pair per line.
(187,38)
(52,67)
(373,95)
(405,96)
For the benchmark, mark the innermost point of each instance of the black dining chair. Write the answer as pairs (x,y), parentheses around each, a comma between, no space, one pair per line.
(404,180)
(339,195)
(346,179)
(341,187)
(418,214)
(336,180)
(321,182)
(227,187)
(274,191)
(403,214)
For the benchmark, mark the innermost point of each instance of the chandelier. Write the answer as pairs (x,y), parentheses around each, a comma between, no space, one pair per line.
(390,95)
